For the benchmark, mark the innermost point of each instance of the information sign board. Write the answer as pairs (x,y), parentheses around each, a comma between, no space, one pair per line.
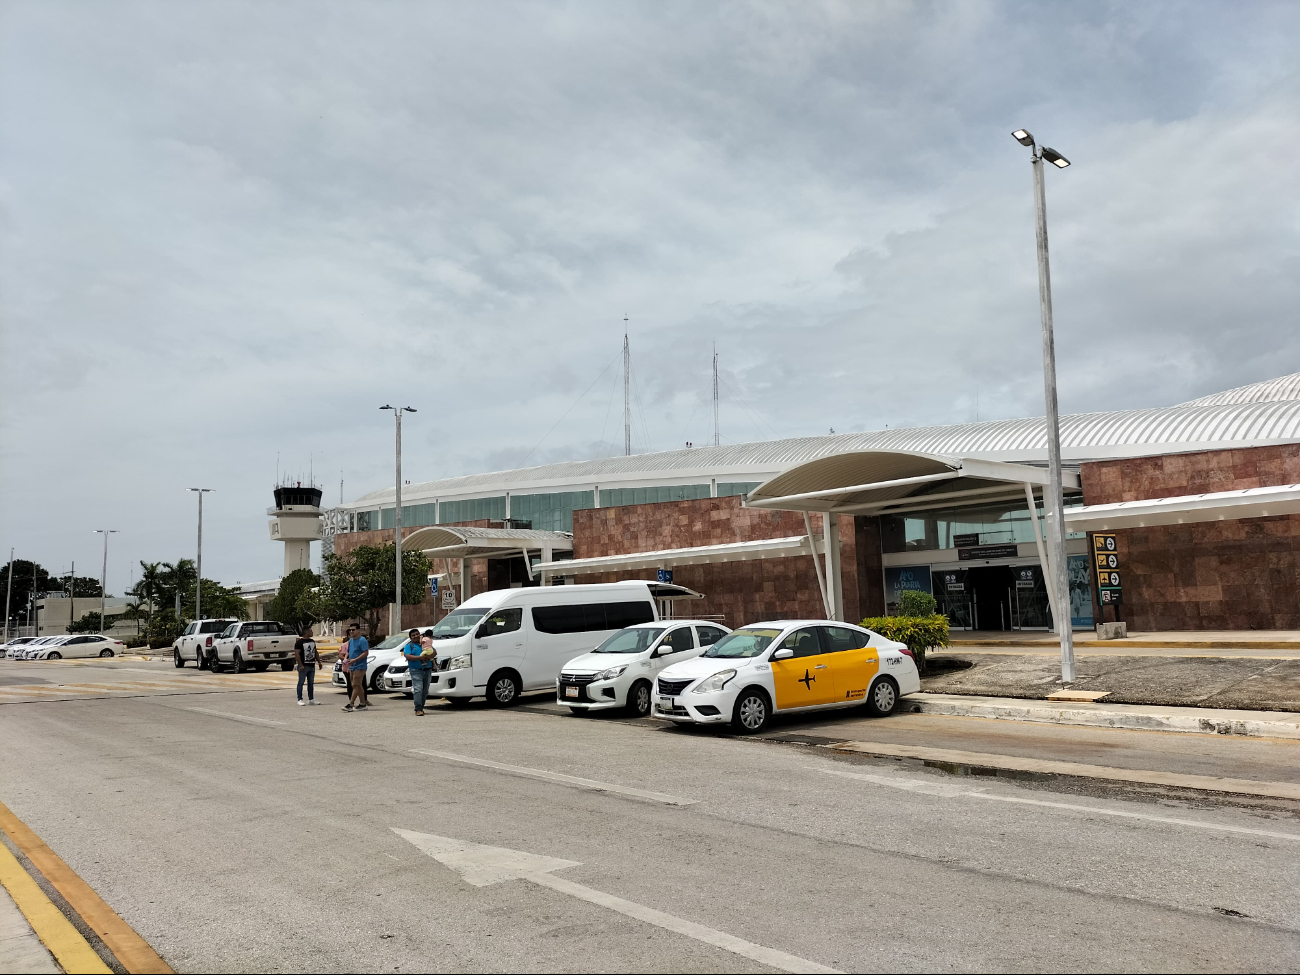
(665,575)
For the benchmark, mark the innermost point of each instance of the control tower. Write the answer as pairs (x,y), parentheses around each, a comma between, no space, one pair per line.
(296,521)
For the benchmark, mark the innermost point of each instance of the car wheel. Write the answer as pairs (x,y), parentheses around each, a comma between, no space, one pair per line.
(882,699)
(503,689)
(214,663)
(457,702)
(638,699)
(200,660)
(237,663)
(106,652)
(751,713)
(376,680)
(177,659)
(286,665)
(54,655)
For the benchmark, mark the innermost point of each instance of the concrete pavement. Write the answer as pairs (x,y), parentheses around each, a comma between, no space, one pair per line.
(238,832)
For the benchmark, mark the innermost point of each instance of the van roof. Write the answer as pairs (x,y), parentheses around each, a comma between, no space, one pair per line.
(492,597)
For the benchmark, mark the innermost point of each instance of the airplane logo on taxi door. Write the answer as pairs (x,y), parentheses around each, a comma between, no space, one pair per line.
(807,680)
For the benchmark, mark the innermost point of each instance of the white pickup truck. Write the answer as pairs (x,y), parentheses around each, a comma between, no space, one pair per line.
(195,643)
(254,644)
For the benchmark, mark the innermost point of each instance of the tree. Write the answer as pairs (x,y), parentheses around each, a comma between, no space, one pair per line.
(364,581)
(175,580)
(293,604)
(89,623)
(82,586)
(217,601)
(28,578)
(164,628)
(148,591)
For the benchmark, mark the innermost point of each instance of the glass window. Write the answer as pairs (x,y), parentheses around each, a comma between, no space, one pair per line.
(739,487)
(367,521)
(457,623)
(551,512)
(590,617)
(630,641)
(742,643)
(709,635)
(502,621)
(233,628)
(803,642)
(1000,524)
(678,640)
(838,638)
(614,497)
(190,629)
(213,626)
(472,509)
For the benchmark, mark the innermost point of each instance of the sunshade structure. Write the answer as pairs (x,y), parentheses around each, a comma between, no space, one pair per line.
(444,542)
(762,548)
(876,482)
(1261,502)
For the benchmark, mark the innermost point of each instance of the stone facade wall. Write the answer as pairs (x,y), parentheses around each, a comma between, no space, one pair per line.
(737,592)
(1222,575)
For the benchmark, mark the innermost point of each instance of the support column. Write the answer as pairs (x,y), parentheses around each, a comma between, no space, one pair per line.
(464,580)
(1049,573)
(834,570)
(817,566)
(547,555)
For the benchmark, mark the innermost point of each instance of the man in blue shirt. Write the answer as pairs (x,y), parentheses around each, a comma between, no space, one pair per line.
(358,650)
(419,660)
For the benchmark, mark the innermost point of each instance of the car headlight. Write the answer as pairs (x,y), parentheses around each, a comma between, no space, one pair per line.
(461,662)
(715,683)
(611,673)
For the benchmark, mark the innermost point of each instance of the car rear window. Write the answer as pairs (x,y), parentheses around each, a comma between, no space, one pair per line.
(213,626)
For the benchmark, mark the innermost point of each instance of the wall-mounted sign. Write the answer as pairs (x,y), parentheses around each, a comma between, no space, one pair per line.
(1025,578)
(954,581)
(988,552)
(899,578)
(965,541)
(665,575)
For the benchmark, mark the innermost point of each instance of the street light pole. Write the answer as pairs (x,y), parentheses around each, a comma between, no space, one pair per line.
(9,593)
(198,569)
(103,574)
(1056,499)
(396,626)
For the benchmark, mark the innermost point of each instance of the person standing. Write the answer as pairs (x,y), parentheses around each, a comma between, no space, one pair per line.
(419,662)
(358,652)
(304,652)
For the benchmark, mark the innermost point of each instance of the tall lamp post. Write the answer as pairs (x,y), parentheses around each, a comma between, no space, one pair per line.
(198,569)
(103,575)
(397,517)
(1055,499)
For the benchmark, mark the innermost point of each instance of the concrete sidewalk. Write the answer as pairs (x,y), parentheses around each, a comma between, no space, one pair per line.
(21,951)
(1206,721)
(1268,641)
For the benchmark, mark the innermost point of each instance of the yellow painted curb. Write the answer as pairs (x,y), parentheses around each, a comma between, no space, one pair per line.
(65,943)
(131,950)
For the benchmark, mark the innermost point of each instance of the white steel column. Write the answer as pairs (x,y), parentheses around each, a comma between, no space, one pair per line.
(834,576)
(1048,574)
(464,579)
(817,568)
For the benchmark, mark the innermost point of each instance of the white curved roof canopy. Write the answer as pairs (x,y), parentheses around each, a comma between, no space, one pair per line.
(441,542)
(879,481)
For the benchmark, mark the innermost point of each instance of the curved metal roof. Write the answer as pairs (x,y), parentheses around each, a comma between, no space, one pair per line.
(1264,419)
(1269,391)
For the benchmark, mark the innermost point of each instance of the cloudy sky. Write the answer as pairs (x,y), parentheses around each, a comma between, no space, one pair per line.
(229,232)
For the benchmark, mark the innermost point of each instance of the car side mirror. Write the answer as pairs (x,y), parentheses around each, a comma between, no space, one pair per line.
(784,653)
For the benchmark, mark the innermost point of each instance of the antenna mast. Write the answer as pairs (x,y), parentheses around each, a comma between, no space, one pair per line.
(627,394)
(716,436)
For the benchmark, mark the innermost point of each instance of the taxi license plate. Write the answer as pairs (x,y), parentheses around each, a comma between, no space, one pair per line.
(570,692)
(666,703)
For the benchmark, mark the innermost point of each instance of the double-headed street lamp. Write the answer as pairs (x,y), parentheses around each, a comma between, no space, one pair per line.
(103,575)
(396,626)
(1055,501)
(198,569)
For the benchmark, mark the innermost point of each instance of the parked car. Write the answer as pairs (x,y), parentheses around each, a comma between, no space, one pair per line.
(523,637)
(25,650)
(620,673)
(195,643)
(456,624)
(787,665)
(14,644)
(85,645)
(255,643)
(381,657)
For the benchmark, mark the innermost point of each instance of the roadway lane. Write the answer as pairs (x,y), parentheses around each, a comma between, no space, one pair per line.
(238,832)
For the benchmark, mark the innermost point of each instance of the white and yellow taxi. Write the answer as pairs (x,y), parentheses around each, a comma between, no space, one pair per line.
(786,665)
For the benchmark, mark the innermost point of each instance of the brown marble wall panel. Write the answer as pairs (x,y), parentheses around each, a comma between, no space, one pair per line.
(1225,575)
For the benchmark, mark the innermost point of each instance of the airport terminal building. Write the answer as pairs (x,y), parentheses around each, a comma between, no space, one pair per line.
(1196,506)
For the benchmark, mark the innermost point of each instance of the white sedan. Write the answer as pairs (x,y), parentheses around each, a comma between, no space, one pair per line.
(783,666)
(29,650)
(620,673)
(95,645)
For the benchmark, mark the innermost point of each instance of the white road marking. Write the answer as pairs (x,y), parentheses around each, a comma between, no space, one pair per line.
(483,865)
(573,780)
(957,791)
(232,717)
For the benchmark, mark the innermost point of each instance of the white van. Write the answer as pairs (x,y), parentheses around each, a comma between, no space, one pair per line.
(516,640)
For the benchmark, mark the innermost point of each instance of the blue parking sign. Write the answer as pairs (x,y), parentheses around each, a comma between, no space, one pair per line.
(665,575)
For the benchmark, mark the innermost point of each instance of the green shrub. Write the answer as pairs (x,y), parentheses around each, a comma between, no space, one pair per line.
(139,640)
(920,633)
(164,627)
(916,602)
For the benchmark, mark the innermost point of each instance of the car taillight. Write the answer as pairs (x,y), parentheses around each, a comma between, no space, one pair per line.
(209,642)
(908,651)
(250,644)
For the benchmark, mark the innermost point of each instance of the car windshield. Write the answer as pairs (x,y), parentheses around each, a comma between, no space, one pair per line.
(632,640)
(392,641)
(744,642)
(457,623)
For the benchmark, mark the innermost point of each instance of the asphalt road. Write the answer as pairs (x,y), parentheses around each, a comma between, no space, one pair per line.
(239,832)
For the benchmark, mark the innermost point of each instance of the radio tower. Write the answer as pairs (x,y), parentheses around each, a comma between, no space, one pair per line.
(627,394)
(716,437)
